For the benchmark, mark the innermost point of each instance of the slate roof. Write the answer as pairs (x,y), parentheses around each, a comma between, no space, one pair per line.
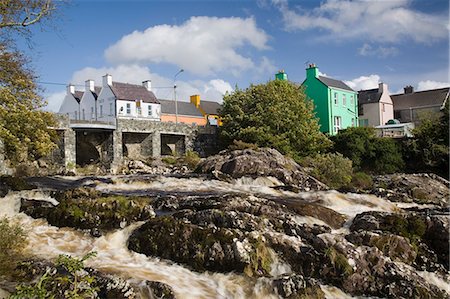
(78,95)
(132,92)
(433,97)
(210,107)
(369,96)
(184,108)
(334,83)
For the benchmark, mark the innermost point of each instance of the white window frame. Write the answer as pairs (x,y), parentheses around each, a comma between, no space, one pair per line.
(110,109)
(337,124)
(92,112)
(336,98)
(101,110)
(150,110)
(128,107)
(344,100)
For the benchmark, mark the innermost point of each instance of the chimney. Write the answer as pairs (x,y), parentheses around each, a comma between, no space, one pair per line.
(89,85)
(147,84)
(107,80)
(281,75)
(70,89)
(312,71)
(195,99)
(382,87)
(408,89)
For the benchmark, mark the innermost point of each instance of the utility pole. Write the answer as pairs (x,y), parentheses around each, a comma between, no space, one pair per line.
(175,94)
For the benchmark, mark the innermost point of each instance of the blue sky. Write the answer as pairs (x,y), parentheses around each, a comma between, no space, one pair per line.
(223,44)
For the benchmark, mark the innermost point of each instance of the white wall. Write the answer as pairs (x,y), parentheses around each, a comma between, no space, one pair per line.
(388,112)
(87,103)
(107,100)
(69,106)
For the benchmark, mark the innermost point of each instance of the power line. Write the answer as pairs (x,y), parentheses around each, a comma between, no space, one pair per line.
(65,84)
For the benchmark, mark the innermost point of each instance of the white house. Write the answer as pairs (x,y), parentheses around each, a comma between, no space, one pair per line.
(71,104)
(375,106)
(111,100)
(125,100)
(88,104)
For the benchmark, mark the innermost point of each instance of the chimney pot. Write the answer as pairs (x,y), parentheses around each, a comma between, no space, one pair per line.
(408,89)
(70,89)
(107,80)
(147,84)
(89,84)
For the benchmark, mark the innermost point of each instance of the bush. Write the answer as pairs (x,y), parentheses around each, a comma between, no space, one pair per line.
(361,180)
(332,169)
(368,152)
(70,281)
(191,159)
(12,242)
(241,145)
(169,160)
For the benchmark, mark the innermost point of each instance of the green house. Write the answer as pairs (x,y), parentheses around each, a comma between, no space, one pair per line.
(336,104)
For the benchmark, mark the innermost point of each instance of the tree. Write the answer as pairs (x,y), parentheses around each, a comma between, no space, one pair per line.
(276,114)
(24,127)
(429,148)
(367,151)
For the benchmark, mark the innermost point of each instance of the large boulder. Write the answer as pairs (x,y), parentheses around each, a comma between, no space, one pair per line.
(422,188)
(264,162)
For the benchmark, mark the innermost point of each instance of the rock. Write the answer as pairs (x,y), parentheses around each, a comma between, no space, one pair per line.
(262,162)
(296,286)
(160,290)
(437,237)
(78,209)
(420,188)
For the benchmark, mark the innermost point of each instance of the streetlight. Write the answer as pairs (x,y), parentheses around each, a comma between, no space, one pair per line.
(175,94)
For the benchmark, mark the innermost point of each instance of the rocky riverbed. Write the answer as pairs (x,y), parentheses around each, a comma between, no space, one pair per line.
(246,225)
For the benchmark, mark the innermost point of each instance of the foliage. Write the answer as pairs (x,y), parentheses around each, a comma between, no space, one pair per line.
(339,262)
(24,128)
(429,149)
(71,283)
(12,242)
(191,159)
(361,180)
(169,160)
(241,145)
(277,115)
(368,152)
(332,169)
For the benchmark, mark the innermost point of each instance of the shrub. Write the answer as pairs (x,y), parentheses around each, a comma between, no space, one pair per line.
(191,159)
(169,160)
(12,242)
(361,180)
(241,145)
(332,169)
(70,281)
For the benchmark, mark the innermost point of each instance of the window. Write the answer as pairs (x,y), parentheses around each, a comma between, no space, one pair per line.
(128,108)
(344,100)
(84,116)
(383,108)
(351,100)
(111,109)
(92,112)
(76,114)
(335,98)
(337,123)
(101,110)
(363,122)
(353,122)
(150,113)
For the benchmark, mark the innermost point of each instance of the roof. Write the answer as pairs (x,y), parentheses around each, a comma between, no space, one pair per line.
(78,95)
(369,96)
(96,91)
(433,97)
(184,108)
(132,92)
(334,83)
(210,107)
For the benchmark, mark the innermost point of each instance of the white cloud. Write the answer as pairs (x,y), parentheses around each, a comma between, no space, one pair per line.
(364,82)
(201,45)
(383,21)
(212,90)
(429,84)
(54,101)
(380,51)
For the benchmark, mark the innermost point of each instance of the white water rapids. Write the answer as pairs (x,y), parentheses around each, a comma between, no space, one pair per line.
(113,256)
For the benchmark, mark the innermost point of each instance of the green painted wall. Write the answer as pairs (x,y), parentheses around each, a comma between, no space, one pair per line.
(325,108)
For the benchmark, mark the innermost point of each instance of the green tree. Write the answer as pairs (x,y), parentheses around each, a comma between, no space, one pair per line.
(276,114)
(24,127)
(12,242)
(369,152)
(429,148)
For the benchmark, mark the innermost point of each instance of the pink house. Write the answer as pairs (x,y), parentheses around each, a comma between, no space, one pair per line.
(375,106)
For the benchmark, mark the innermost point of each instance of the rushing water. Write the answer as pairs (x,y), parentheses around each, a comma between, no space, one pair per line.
(113,256)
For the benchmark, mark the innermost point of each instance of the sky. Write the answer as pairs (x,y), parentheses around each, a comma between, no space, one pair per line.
(224,45)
